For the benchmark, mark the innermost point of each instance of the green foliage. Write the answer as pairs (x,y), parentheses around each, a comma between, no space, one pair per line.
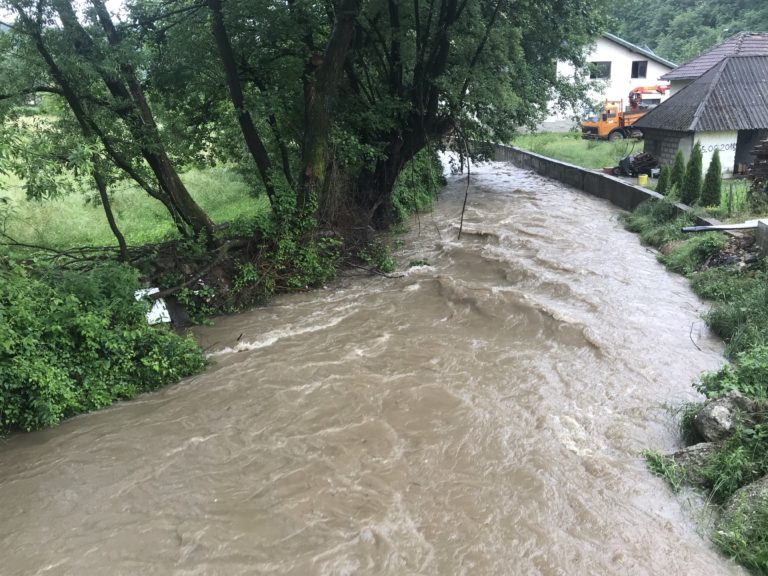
(657,222)
(417,187)
(378,257)
(419,262)
(730,467)
(678,172)
(665,178)
(680,31)
(743,535)
(71,221)
(570,147)
(733,197)
(71,343)
(247,275)
(741,318)
(720,283)
(757,196)
(748,374)
(691,254)
(687,422)
(713,182)
(691,188)
(665,468)
(198,302)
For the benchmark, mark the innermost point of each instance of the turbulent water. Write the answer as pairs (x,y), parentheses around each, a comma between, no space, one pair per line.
(480,415)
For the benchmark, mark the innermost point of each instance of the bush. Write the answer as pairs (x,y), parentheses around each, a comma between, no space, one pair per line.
(417,186)
(743,536)
(678,172)
(664,183)
(719,283)
(70,343)
(691,188)
(713,182)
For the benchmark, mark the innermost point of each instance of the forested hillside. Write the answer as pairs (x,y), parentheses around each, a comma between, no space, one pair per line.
(683,29)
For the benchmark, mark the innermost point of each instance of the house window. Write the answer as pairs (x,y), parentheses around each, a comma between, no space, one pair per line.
(599,70)
(639,68)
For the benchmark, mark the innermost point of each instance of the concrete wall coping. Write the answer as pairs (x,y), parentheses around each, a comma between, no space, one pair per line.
(619,192)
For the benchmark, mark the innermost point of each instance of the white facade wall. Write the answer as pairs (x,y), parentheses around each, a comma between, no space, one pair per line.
(621,58)
(723,141)
(676,85)
(618,86)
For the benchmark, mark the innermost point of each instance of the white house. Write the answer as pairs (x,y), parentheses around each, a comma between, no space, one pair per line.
(616,67)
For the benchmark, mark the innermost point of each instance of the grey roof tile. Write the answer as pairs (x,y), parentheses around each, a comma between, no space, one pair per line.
(639,50)
(741,44)
(732,95)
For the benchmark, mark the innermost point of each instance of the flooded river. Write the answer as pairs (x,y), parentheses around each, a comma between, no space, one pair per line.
(480,415)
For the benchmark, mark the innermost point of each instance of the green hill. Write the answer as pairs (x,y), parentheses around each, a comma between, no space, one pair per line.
(683,29)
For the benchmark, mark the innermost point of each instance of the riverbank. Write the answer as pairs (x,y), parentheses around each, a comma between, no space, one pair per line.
(74,339)
(727,433)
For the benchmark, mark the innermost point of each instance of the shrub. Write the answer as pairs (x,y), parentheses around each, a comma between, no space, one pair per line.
(720,283)
(691,188)
(743,536)
(678,172)
(664,183)
(657,221)
(70,343)
(713,181)
(417,186)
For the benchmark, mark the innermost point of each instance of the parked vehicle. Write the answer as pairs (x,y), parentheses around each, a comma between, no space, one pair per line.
(614,121)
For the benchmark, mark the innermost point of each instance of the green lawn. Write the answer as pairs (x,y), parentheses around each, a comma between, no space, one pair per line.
(570,147)
(75,220)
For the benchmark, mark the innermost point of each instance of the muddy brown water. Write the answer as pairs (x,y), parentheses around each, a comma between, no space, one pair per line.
(482,415)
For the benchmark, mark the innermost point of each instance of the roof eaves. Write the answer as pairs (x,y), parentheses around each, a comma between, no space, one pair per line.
(639,50)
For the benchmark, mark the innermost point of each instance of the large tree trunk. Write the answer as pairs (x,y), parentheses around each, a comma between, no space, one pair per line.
(322,77)
(250,134)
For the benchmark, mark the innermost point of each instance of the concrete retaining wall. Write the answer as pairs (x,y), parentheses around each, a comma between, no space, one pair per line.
(617,191)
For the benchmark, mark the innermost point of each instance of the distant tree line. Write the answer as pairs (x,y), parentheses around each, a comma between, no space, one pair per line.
(683,29)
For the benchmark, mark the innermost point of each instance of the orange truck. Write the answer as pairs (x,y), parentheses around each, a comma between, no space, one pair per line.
(614,121)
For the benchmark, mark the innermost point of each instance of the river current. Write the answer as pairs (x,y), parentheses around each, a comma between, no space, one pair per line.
(483,414)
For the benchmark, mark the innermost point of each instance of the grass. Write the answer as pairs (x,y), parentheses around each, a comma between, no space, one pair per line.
(666,468)
(743,535)
(740,317)
(572,148)
(75,220)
